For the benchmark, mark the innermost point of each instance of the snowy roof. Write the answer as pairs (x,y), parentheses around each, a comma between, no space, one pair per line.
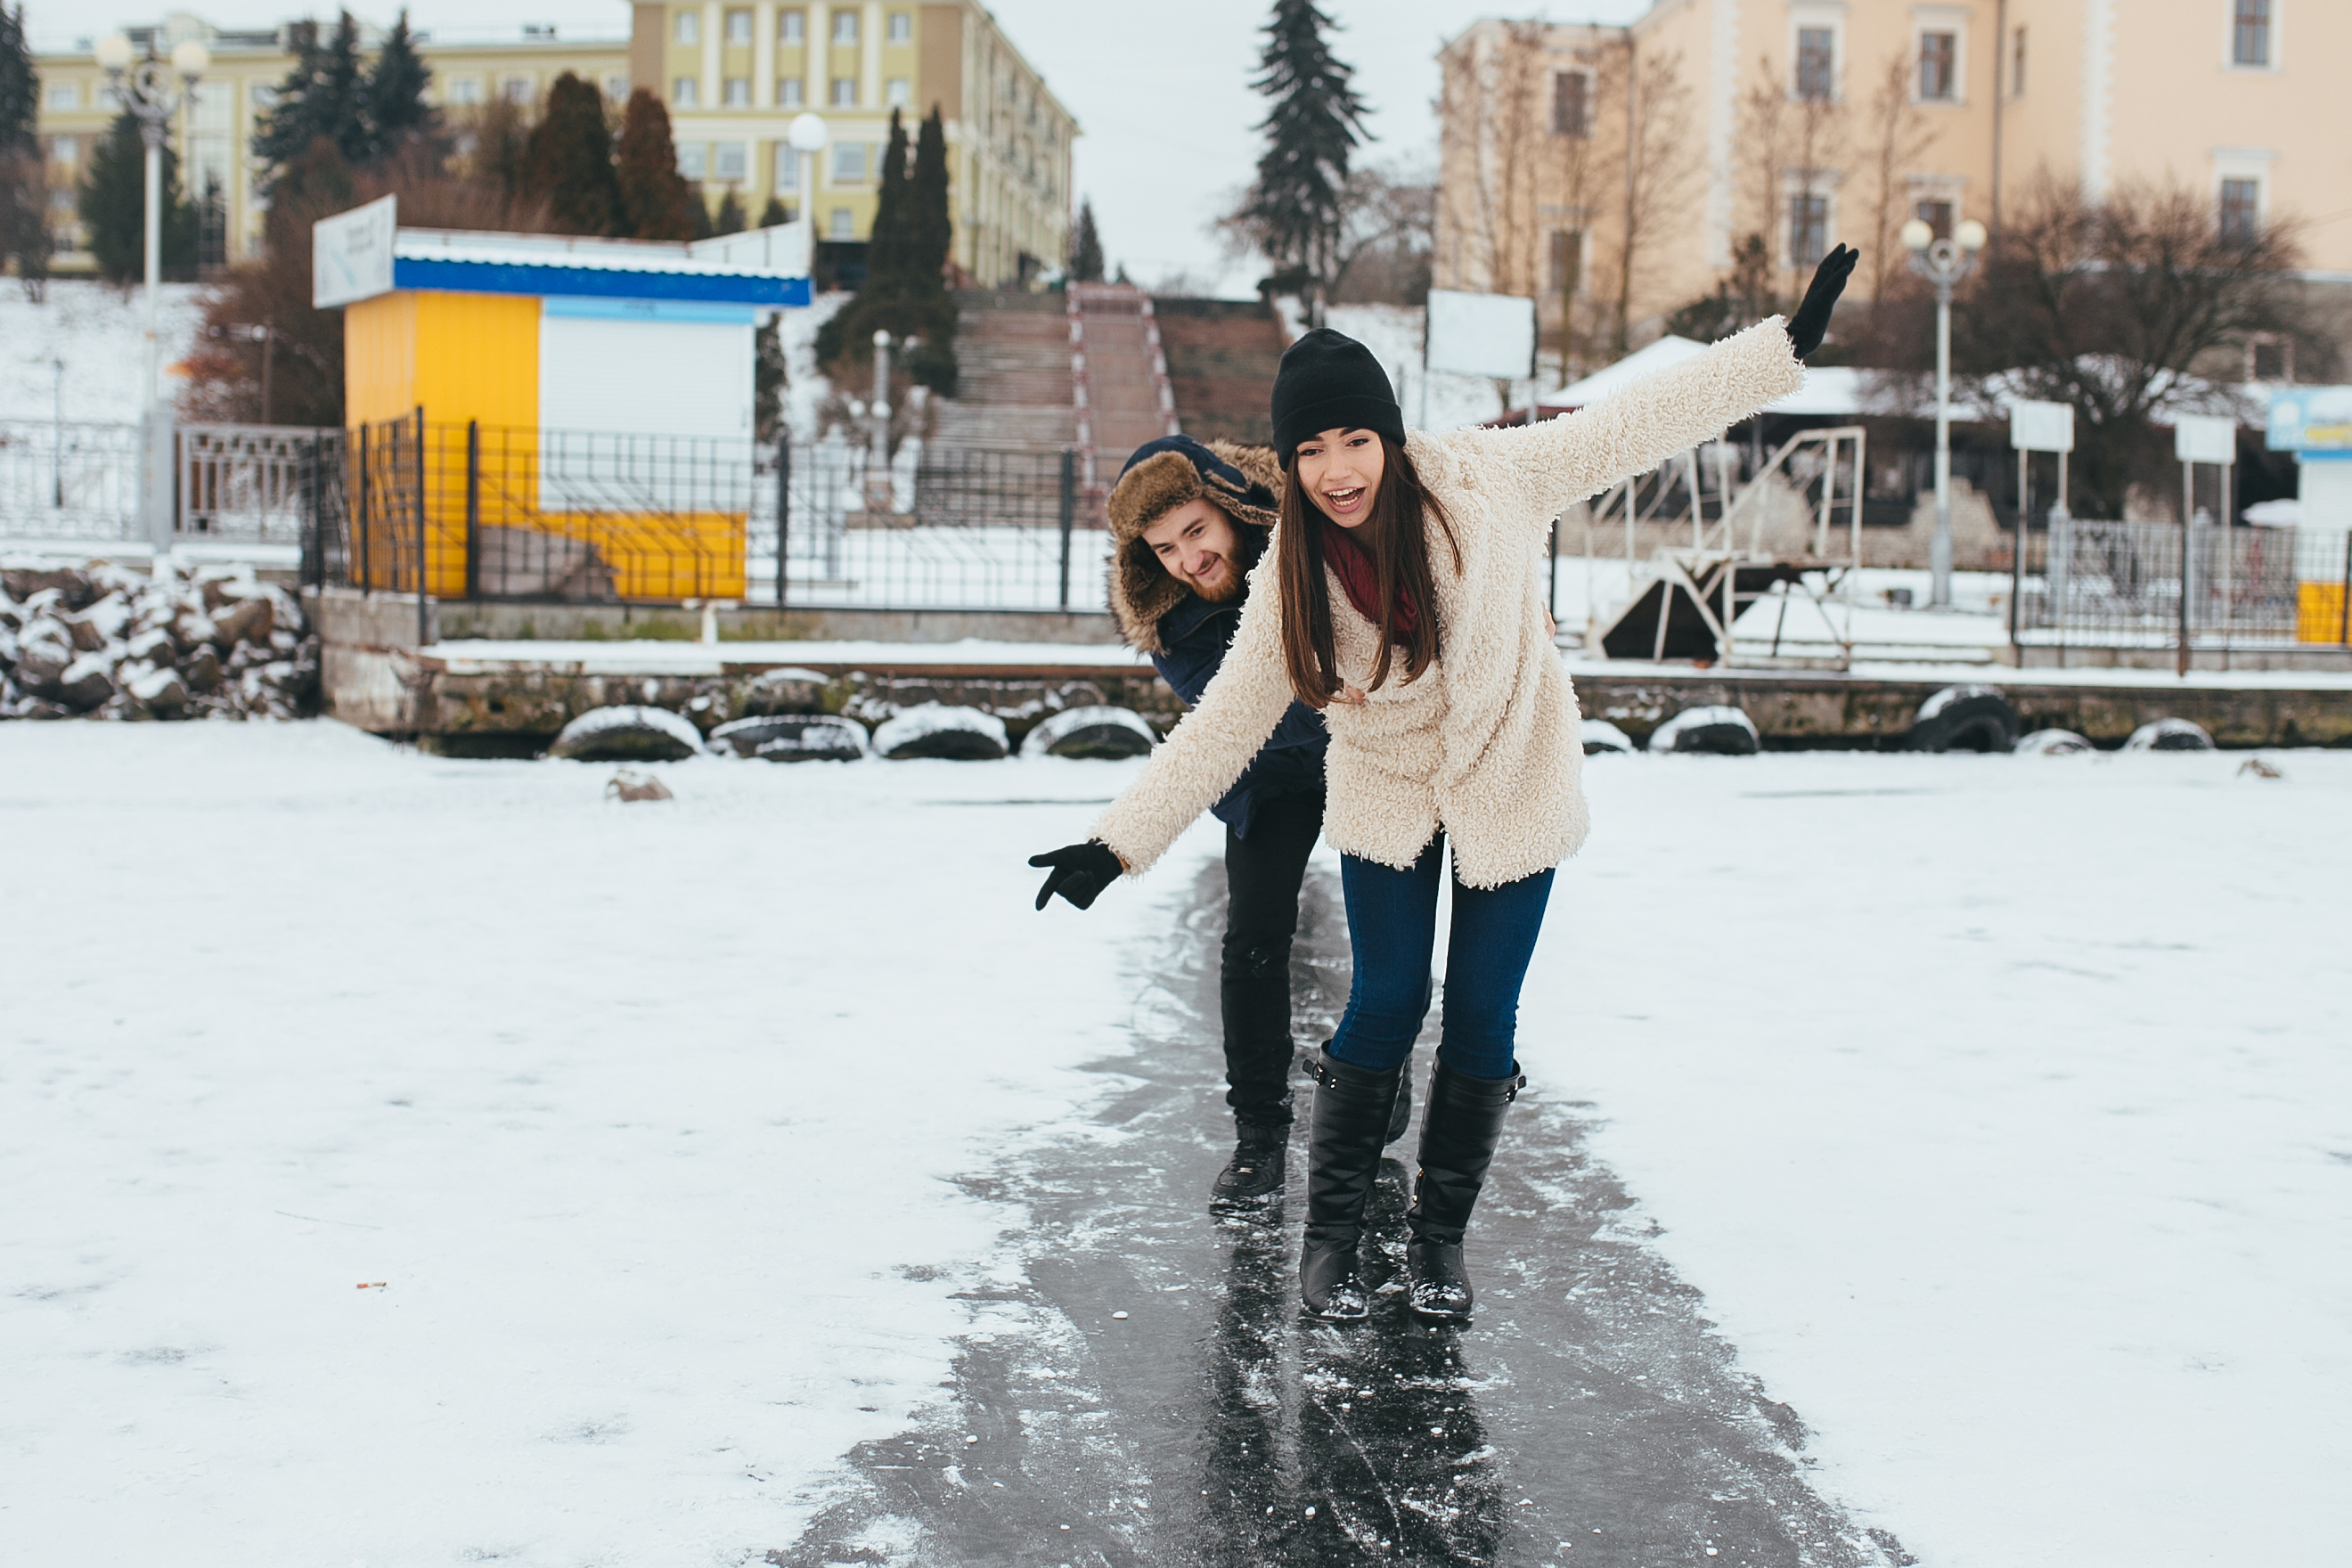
(1667,352)
(779,252)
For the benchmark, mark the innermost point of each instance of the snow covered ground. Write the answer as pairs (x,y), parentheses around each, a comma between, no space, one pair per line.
(99,332)
(1998,1106)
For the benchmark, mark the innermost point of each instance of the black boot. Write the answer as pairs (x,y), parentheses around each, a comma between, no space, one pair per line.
(1343,1152)
(1401,1118)
(1457,1144)
(1255,1168)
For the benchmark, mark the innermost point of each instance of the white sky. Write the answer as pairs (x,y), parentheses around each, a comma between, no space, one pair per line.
(1162,97)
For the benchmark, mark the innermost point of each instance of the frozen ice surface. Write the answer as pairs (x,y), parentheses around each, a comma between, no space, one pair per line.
(2000,1109)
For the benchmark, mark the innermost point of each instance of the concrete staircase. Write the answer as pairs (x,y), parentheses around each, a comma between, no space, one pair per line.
(1221,355)
(1015,389)
(1124,396)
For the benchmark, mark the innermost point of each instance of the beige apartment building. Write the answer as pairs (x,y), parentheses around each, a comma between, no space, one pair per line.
(733,76)
(1612,170)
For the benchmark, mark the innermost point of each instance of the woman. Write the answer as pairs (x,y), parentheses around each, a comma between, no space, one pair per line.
(1403,594)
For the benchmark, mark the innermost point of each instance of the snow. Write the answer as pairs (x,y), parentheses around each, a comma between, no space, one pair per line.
(927,719)
(1950,695)
(1998,1105)
(657,657)
(1431,401)
(98,332)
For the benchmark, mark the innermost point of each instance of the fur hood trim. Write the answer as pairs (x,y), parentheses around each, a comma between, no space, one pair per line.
(1243,482)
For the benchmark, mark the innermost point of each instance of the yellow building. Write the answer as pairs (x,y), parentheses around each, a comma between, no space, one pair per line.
(734,76)
(1810,122)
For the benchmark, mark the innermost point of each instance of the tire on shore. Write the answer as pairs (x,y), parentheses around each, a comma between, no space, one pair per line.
(1716,730)
(627,734)
(1965,718)
(1099,731)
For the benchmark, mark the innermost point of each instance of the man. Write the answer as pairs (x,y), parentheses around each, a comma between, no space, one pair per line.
(1187,523)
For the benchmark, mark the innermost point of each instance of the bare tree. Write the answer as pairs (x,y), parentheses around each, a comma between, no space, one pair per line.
(1658,161)
(1488,185)
(1387,226)
(1792,144)
(1898,137)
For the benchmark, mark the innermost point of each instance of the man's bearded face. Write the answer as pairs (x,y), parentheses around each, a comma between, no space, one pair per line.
(1198,545)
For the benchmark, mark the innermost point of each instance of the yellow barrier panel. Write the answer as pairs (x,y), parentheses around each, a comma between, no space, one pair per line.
(2319,612)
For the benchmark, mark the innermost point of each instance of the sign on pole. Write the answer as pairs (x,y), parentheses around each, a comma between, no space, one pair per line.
(351,254)
(2310,419)
(2042,427)
(1481,334)
(2204,439)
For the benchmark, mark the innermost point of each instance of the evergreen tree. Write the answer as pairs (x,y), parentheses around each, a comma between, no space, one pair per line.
(930,225)
(654,197)
(730,214)
(905,292)
(396,111)
(1294,210)
(114,206)
(886,256)
(698,215)
(772,213)
(323,96)
(768,379)
(569,162)
(1085,247)
(19,84)
(23,183)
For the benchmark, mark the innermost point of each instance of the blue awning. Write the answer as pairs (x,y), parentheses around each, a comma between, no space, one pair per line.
(596,283)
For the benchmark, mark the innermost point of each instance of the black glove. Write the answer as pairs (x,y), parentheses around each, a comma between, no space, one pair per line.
(1812,318)
(1080,872)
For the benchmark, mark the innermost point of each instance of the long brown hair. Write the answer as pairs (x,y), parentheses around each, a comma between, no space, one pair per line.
(1396,535)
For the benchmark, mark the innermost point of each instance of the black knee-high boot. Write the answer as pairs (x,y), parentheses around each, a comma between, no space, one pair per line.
(1350,1122)
(1458,1132)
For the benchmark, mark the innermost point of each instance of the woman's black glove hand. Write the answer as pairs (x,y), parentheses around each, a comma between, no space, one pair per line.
(1812,321)
(1079,873)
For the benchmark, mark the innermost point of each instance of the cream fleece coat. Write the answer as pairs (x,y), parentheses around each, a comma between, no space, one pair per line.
(1488,743)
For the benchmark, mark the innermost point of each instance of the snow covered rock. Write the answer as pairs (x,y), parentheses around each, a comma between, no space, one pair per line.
(822,739)
(2169,735)
(1965,718)
(247,620)
(1098,731)
(1601,735)
(159,693)
(112,644)
(629,785)
(2052,744)
(1721,731)
(626,735)
(937,729)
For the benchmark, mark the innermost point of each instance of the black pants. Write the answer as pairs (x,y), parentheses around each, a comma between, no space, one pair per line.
(1263,873)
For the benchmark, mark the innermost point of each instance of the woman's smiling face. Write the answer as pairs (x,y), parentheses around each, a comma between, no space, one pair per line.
(1341,472)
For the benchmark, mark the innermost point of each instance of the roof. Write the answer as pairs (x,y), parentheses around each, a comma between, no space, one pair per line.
(762,266)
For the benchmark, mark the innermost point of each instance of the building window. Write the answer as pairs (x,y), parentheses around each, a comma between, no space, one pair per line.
(2241,211)
(737,92)
(845,92)
(844,224)
(902,28)
(788,92)
(616,87)
(787,167)
(731,161)
(2250,33)
(686,92)
(898,93)
(1568,262)
(849,163)
(738,26)
(1570,111)
(689,25)
(2270,357)
(66,149)
(462,89)
(1939,67)
(517,88)
(844,26)
(792,27)
(691,160)
(1816,62)
(1936,215)
(1808,229)
(63,96)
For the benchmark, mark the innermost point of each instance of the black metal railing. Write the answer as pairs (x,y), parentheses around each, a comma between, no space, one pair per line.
(2091,583)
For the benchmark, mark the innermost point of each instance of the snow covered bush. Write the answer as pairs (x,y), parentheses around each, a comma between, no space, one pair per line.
(101,642)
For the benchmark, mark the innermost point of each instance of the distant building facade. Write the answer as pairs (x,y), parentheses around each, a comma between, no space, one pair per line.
(1615,171)
(733,77)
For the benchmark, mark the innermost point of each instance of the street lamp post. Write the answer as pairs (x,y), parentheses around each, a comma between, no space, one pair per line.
(1943,262)
(144,89)
(808,137)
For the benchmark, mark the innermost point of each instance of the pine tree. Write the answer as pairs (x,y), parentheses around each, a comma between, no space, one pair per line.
(772,213)
(570,161)
(698,215)
(396,111)
(1316,122)
(905,292)
(730,214)
(654,197)
(930,223)
(24,183)
(1085,247)
(114,206)
(19,84)
(887,258)
(323,95)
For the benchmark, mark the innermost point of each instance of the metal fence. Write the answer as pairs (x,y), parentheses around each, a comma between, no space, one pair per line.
(2120,584)
(69,480)
(255,484)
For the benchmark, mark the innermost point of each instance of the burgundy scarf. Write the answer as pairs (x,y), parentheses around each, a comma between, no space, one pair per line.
(1360,577)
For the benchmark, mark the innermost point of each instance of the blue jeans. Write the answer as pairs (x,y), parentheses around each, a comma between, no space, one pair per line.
(1392,928)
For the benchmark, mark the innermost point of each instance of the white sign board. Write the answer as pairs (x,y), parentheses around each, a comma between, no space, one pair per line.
(2042,427)
(1482,335)
(351,254)
(2202,438)
(2310,419)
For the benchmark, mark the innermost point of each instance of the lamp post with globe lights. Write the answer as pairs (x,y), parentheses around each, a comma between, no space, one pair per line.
(1943,262)
(808,137)
(144,89)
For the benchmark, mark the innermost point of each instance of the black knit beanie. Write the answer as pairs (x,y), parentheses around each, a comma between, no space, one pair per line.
(1328,381)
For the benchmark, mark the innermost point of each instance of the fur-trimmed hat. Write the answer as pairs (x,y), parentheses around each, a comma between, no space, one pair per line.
(1242,482)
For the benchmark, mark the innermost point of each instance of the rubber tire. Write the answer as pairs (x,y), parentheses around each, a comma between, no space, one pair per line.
(1984,723)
